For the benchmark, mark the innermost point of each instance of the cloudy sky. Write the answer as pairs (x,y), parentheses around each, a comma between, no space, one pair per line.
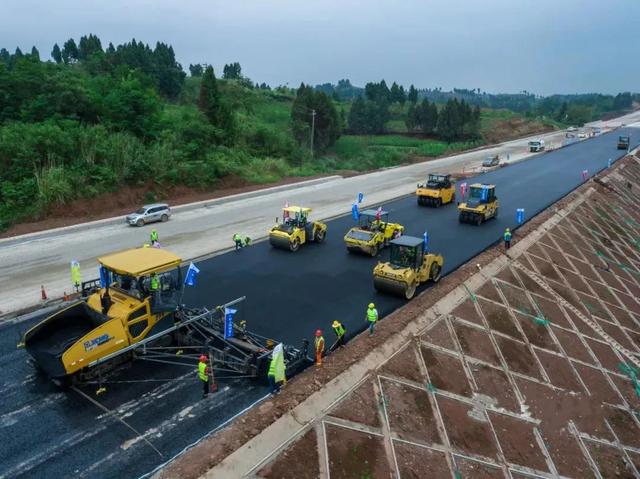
(543,46)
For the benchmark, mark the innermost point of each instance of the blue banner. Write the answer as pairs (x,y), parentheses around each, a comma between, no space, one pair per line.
(228,322)
(425,237)
(360,197)
(104,277)
(485,193)
(609,163)
(520,216)
(190,277)
(354,212)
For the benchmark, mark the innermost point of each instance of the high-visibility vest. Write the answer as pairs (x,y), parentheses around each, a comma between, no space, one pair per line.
(272,368)
(507,235)
(202,371)
(237,237)
(154,236)
(319,343)
(155,284)
(339,330)
(372,315)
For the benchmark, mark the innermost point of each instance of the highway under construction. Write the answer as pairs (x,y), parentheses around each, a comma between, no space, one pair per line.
(289,296)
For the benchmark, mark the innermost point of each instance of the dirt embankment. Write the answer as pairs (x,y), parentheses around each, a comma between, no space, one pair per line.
(504,130)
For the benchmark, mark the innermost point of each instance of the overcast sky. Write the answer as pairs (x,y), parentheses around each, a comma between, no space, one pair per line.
(543,46)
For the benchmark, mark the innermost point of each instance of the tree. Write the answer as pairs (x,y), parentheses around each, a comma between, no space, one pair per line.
(88,45)
(111,49)
(428,116)
(18,53)
(69,51)
(396,95)
(56,54)
(326,121)
(214,108)
(413,95)
(402,96)
(35,54)
(196,70)
(232,71)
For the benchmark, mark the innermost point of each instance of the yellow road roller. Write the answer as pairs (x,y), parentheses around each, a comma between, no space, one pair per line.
(481,205)
(437,191)
(409,265)
(295,229)
(373,232)
(138,289)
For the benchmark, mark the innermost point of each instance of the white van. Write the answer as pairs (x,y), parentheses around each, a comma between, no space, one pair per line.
(536,145)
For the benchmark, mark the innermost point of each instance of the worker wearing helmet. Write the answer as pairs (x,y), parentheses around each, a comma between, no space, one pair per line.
(203,374)
(338,328)
(319,347)
(237,239)
(372,317)
(507,238)
(153,237)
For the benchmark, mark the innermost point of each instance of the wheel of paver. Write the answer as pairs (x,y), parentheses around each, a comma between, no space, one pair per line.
(479,219)
(320,235)
(294,245)
(453,198)
(435,272)
(460,218)
(437,202)
(420,201)
(140,222)
(164,218)
(410,290)
(374,250)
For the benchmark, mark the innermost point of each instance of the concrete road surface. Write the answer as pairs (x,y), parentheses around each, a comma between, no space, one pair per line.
(28,262)
(58,434)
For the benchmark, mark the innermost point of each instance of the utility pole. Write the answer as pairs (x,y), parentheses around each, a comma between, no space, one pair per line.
(313,128)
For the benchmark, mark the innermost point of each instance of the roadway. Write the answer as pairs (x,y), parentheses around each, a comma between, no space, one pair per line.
(53,433)
(30,261)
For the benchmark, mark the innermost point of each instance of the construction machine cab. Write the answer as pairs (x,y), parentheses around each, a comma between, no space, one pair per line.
(373,220)
(481,193)
(437,181)
(438,190)
(481,205)
(295,229)
(406,252)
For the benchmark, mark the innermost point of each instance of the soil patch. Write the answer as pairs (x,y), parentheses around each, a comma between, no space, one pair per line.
(410,413)
(559,371)
(605,354)
(616,333)
(354,455)
(298,461)
(499,319)
(597,384)
(476,470)
(572,345)
(415,462)
(446,372)
(489,291)
(518,357)
(516,298)
(476,342)
(537,334)
(467,311)
(518,442)
(494,383)
(509,276)
(552,312)
(624,426)
(360,406)
(439,335)
(466,433)
(405,365)
(566,453)
(610,462)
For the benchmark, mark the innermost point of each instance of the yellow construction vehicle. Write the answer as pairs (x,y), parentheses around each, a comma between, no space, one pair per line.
(437,191)
(408,266)
(481,205)
(372,233)
(140,288)
(296,229)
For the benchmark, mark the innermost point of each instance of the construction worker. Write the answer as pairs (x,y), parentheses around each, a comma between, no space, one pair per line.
(319,347)
(372,317)
(340,332)
(203,374)
(153,237)
(154,286)
(507,238)
(237,239)
(271,376)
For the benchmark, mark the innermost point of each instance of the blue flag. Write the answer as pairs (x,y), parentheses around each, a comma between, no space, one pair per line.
(425,237)
(104,277)
(354,212)
(360,197)
(228,322)
(520,216)
(190,277)
(485,193)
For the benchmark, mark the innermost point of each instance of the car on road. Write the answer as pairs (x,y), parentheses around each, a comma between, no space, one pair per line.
(149,214)
(582,135)
(490,161)
(536,145)
(572,128)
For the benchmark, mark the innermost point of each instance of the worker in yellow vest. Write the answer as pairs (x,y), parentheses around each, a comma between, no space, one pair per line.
(203,374)
(153,237)
(338,328)
(319,347)
(372,317)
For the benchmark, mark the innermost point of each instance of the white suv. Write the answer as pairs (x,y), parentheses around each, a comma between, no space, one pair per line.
(149,214)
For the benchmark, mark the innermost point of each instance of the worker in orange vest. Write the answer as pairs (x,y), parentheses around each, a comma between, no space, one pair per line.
(319,347)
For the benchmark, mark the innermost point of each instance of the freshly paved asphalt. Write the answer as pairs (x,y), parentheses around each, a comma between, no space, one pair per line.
(48,433)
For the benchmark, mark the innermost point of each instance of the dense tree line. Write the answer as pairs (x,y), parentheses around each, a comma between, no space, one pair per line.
(308,105)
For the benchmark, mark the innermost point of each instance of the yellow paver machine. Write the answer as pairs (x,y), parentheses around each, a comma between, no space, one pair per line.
(296,229)
(438,190)
(374,232)
(481,205)
(134,311)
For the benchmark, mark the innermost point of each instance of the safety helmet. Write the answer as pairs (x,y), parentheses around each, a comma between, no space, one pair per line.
(507,229)
(318,333)
(336,324)
(203,359)
(371,305)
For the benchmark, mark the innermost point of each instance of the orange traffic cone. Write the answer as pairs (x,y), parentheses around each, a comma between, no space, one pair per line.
(65,296)
(43,293)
